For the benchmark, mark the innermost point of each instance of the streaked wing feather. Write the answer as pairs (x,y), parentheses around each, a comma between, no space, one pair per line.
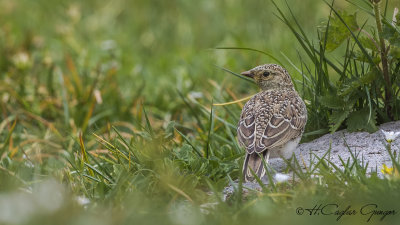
(282,128)
(246,126)
(261,129)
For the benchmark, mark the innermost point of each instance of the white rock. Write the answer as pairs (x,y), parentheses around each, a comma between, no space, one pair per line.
(280,177)
(368,148)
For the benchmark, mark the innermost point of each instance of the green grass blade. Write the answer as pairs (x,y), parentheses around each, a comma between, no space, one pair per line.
(92,178)
(126,143)
(211,127)
(364,51)
(262,185)
(148,125)
(99,173)
(194,112)
(190,143)
(253,50)
(236,74)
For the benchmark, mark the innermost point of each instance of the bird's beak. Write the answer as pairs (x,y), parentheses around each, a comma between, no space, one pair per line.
(247,74)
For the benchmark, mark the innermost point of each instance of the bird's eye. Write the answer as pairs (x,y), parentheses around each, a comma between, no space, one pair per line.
(266,74)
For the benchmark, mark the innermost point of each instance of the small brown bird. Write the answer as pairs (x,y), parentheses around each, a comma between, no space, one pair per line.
(272,122)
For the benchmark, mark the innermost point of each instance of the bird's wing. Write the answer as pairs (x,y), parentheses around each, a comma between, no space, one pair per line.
(247,126)
(287,122)
(271,122)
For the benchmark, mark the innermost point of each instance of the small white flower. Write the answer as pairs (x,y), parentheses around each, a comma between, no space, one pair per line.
(390,135)
(280,177)
(97,96)
(22,60)
(82,200)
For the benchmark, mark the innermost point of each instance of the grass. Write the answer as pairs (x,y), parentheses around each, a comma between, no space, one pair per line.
(107,115)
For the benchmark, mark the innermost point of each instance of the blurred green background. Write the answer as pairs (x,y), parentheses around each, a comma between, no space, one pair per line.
(71,67)
(167,43)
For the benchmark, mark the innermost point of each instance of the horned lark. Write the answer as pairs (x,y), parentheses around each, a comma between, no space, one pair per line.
(272,122)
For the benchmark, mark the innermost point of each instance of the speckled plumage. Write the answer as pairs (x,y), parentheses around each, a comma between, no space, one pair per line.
(272,121)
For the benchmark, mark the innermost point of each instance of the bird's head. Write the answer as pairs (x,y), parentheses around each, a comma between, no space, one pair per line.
(270,76)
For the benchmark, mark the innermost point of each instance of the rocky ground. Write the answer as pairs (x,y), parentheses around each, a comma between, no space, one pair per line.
(368,147)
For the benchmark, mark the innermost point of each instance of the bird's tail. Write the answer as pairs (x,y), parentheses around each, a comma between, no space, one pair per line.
(254,162)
